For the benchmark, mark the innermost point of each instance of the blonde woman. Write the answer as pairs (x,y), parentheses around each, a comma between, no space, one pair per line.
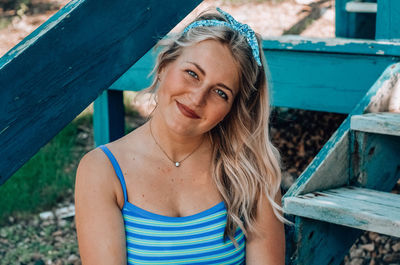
(199,183)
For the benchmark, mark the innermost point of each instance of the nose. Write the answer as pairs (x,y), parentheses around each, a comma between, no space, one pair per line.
(199,95)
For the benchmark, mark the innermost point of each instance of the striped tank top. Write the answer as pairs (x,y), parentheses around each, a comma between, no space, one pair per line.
(196,239)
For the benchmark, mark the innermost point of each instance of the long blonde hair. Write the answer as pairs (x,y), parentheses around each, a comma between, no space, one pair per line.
(245,164)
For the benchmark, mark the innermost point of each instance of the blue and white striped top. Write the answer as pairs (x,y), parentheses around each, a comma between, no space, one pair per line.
(196,239)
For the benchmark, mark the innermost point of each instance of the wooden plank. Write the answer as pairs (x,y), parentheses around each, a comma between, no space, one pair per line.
(344,21)
(362,194)
(64,65)
(383,123)
(320,243)
(353,211)
(340,84)
(332,45)
(312,178)
(388,20)
(361,7)
(108,117)
(375,160)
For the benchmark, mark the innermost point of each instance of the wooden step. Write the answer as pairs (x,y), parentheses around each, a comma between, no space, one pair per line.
(382,123)
(361,7)
(350,206)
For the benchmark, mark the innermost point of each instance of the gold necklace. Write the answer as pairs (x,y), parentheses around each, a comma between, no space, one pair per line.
(176,163)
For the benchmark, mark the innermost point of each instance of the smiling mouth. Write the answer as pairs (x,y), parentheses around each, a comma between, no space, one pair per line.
(186,111)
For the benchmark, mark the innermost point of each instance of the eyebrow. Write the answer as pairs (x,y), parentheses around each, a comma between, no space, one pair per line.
(204,73)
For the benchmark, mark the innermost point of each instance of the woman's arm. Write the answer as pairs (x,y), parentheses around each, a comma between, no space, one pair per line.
(99,221)
(267,245)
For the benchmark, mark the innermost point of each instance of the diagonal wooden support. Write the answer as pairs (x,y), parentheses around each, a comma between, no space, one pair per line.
(59,69)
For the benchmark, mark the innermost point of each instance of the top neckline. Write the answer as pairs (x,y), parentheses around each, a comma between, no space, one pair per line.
(214,209)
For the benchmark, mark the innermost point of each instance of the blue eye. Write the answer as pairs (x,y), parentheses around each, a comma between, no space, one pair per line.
(193,74)
(222,94)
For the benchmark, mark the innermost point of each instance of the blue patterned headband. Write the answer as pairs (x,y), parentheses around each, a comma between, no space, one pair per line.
(243,29)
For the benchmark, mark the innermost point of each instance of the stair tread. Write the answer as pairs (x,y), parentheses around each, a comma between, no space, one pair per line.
(382,122)
(350,206)
(361,7)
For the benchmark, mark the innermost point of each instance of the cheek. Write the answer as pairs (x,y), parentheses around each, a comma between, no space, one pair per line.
(218,114)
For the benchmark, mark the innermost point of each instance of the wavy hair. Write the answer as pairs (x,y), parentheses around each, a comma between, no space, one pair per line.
(245,164)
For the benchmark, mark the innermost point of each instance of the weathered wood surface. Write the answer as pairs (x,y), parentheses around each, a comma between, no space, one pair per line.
(347,69)
(317,176)
(109,117)
(375,160)
(353,24)
(319,243)
(383,123)
(350,206)
(361,7)
(64,65)
(388,20)
(332,45)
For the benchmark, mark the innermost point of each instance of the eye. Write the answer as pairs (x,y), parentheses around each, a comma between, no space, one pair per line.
(193,74)
(222,94)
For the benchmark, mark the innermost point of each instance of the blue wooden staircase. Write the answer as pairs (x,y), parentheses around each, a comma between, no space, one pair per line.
(346,187)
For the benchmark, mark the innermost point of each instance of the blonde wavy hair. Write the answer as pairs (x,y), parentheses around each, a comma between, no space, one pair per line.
(245,164)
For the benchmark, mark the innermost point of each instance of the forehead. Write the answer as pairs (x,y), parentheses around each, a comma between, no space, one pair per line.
(215,59)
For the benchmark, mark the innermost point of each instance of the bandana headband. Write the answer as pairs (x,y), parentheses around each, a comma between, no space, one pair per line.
(243,29)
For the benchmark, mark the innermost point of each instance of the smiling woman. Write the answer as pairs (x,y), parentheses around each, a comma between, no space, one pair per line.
(199,182)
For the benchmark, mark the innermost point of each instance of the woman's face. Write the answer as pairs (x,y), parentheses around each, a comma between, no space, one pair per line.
(196,91)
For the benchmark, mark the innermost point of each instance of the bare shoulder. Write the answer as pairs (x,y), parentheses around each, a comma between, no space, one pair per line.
(98,218)
(95,174)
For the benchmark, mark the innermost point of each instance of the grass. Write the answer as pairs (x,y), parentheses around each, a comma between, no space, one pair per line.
(49,176)
(46,178)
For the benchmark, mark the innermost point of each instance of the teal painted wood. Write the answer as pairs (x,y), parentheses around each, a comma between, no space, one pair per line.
(320,243)
(353,25)
(64,65)
(342,80)
(350,206)
(375,160)
(344,21)
(137,77)
(310,180)
(332,45)
(383,123)
(388,20)
(108,117)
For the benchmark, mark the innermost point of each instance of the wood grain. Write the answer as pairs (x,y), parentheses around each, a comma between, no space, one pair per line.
(64,65)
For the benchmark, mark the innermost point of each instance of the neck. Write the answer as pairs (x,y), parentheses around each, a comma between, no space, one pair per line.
(177,147)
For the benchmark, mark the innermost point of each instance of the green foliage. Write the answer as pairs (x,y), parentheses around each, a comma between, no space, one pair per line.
(45,179)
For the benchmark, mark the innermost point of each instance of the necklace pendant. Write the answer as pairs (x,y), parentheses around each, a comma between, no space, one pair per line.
(177,164)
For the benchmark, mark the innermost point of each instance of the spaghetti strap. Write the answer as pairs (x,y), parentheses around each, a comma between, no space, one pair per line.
(117,169)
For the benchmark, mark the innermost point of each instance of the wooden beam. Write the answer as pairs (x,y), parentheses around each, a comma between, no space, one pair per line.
(361,7)
(319,243)
(359,208)
(388,20)
(318,174)
(382,123)
(108,117)
(64,65)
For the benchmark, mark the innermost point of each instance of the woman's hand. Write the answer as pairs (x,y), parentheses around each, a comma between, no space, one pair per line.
(99,221)
(267,245)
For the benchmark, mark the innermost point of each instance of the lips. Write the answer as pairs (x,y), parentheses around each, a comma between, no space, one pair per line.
(186,111)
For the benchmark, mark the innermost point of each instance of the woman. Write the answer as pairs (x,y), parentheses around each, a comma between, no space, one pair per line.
(199,182)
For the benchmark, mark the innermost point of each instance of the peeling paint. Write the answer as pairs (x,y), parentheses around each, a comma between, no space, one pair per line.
(2,131)
(47,26)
